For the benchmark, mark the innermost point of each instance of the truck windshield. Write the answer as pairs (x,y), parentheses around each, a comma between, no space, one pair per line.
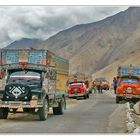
(127,80)
(29,76)
(75,84)
(25,74)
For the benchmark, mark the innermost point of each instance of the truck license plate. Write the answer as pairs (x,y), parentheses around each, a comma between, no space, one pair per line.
(128,95)
(15,104)
(33,103)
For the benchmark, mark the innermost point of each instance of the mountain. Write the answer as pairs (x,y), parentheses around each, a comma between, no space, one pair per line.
(110,71)
(24,43)
(94,47)
(91,47)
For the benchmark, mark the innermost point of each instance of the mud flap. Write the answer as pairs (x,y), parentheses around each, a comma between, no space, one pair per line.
(65,104)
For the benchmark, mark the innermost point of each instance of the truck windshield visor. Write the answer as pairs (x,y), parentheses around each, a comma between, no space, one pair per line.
(76,84)
(130,81)
(25,75)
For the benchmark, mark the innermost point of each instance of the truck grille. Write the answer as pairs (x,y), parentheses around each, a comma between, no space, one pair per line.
(17,92)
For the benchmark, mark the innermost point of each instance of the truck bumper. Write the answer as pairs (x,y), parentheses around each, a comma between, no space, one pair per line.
(76,95)
(21,104)
(129,96)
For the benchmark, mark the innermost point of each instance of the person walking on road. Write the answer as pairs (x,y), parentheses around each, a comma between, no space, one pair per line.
(115,84)
(94,86)
(99,86)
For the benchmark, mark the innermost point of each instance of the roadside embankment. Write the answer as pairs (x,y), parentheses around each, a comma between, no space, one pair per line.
(133,118)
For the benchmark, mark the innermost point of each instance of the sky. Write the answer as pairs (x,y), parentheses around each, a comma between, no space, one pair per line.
(41,22)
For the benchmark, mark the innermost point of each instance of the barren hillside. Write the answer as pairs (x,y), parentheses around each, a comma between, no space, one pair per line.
(93,46)
(111,70)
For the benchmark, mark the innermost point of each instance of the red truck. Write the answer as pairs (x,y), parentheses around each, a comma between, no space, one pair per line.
(105,85)
(78,87)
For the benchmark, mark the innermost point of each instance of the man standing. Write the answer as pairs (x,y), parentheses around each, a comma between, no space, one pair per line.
(115,84)
(99,86)
(94,86)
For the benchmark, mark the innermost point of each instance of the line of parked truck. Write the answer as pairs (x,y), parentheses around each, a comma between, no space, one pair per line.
(35,80)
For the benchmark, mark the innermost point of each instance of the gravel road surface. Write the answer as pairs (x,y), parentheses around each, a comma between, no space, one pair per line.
(98,114)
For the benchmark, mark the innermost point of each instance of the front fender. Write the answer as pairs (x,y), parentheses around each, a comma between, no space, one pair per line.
(39,93)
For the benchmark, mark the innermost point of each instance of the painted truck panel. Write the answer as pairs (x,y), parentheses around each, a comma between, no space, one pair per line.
(42,57)
(129,70)
(16,56)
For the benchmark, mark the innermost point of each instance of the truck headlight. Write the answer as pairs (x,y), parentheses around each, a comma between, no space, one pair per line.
(119,91)
(34,97)
(129,90)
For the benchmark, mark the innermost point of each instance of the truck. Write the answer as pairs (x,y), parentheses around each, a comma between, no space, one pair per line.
(78,86)
(104,83)
(128,84)
(32,81)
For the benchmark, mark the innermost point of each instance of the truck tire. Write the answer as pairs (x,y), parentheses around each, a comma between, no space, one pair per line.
(88,96)
(118,99)
(55,111)
(85,96)
(60,109)
(43,112)
(4,113)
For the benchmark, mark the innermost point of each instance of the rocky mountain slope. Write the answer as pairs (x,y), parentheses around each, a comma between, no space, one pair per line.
(93,46)
(24,43)
(111,70)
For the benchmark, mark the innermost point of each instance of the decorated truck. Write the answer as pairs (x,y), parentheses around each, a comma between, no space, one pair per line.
(78,86)
(102,83)
(128,84)
(32,81)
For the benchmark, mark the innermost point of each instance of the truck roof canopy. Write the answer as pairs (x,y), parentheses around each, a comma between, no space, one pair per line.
(39,59)
(124,71)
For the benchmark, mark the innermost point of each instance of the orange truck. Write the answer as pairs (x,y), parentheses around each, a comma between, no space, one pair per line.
(128,84)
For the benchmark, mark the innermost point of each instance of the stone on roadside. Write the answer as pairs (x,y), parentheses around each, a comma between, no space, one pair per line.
(136,131)
(130,126)
(136,107)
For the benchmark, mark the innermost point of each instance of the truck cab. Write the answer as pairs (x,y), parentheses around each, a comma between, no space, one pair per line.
(128,84)
(105,85)
(78,89)
(78,86)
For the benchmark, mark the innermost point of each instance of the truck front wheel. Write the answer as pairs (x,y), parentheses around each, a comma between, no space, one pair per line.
(43,112)
(88,95)
(118,99)
(85,96)
(4,113)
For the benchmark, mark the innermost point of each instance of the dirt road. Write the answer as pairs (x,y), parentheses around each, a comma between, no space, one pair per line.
(99,114)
